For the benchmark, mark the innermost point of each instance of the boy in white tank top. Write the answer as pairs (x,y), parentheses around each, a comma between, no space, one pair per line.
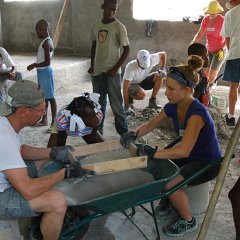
(44,69)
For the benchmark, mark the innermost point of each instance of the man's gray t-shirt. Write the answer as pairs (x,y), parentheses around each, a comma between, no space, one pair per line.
(109,40)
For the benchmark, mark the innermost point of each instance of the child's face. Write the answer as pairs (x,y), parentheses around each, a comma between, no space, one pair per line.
(109,10)
(90,118)
(39,32)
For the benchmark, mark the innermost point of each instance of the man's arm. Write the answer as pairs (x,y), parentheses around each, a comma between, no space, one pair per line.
(163,59)
(34,153)
(8,75)
(11,74)
(30,188)
(126,84)
(93,52)
(126,50)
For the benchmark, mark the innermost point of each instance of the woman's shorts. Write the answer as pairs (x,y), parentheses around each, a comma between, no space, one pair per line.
(216,64)
(188,167)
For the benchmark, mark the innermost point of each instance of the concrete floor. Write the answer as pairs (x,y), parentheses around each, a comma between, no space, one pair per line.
(71,78)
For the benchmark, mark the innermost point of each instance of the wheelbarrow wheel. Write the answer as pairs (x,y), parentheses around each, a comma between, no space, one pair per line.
(72,217)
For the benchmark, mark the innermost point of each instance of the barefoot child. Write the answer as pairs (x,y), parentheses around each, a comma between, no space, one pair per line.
(44,69)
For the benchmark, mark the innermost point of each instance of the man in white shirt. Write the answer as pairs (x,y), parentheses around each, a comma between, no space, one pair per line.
(137,78)
(7,71)
(231,31)
(22,192)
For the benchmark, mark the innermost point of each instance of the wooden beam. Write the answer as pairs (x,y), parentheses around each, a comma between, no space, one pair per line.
(96,148)
(60,23)
(1,35)
(118,165)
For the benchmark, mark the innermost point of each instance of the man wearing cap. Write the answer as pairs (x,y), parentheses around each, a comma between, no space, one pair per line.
(137,78)
(22,193)
(231,31)
(7,71)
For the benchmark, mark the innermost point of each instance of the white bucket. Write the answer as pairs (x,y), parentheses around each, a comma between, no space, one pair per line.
(219,98)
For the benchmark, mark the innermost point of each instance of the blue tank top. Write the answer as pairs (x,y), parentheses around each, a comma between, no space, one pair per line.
(206,147)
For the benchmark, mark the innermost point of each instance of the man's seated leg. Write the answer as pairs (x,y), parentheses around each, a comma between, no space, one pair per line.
(136,92)
(152,82)
(53,206)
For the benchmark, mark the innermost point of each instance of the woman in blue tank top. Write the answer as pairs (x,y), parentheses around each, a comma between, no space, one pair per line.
(199,144)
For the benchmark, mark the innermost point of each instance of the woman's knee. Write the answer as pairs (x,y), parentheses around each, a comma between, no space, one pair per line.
(174,182)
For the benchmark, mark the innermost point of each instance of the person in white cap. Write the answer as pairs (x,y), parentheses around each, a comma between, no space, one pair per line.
(210,27)
(22,192)
(7,71)
(231,31)
(138,78)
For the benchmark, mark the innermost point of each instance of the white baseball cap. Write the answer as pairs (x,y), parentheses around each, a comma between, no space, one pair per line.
(143,57)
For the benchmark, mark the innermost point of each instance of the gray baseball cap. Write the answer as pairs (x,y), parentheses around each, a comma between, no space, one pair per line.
(23,93)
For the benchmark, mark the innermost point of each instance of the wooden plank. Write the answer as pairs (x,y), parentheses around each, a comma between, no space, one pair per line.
(118,165)
(96,148)
(60,23)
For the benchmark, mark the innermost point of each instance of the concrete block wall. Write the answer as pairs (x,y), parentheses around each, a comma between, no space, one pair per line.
(19,18)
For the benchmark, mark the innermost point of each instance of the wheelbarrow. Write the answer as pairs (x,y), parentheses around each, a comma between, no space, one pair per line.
(121,191)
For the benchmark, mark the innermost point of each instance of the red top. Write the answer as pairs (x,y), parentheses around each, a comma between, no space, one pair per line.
(213,38)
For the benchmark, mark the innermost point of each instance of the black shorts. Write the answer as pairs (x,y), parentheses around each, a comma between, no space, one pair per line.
(188,167)
(147,83)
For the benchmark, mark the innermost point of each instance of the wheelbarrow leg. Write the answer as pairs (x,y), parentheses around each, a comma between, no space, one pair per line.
(155,221)
(129,218)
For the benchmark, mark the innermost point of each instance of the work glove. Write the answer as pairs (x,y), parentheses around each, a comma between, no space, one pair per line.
(129,111)
(162,72)
(75,170)
(127,138)
(61,154)
(220,54)
(144,149)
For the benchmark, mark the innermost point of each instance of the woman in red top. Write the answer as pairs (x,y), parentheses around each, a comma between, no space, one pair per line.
(211,26)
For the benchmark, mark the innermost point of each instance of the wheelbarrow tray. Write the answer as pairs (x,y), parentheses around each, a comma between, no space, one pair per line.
(134,196)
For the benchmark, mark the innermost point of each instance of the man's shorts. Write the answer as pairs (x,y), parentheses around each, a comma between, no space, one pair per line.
(146,84)
(188,167)
(216,64)
(46,81)
(12,203)
(232,71)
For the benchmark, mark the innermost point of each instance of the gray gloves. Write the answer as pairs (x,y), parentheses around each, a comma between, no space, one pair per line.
(162,72)
(73,168)
(129,111)
(144,149)
(61,154)
(127,138)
